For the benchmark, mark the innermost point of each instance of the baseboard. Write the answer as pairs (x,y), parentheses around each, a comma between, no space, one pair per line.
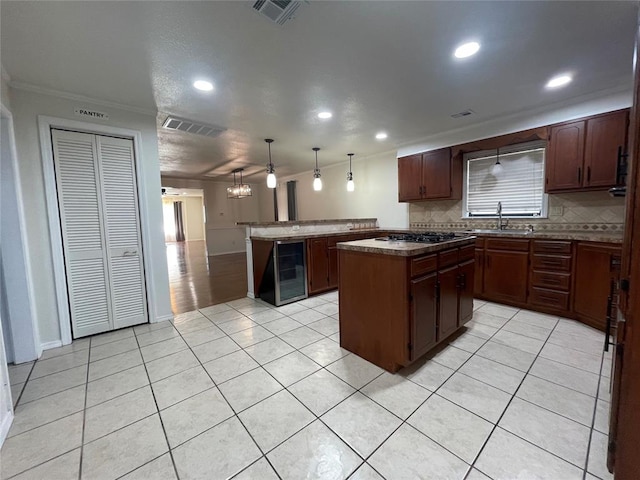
(227,253)
(163,318)
(251,295)
(6,425)
(50,345)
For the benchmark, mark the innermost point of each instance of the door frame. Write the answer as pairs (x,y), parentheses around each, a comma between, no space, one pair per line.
(45,124)
(23,335)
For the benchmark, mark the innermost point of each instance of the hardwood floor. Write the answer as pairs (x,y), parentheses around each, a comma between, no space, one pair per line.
(197,280)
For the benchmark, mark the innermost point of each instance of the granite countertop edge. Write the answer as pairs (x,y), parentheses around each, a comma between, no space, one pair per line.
(403,249)
(306,222)
(304,236)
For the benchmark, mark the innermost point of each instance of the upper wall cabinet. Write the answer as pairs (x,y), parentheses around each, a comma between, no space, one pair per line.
(429,175)
(584,155)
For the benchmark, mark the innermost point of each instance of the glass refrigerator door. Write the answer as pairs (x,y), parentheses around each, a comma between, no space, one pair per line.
(291,274)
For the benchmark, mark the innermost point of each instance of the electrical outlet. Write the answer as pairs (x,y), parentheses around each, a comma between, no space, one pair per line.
(556,211)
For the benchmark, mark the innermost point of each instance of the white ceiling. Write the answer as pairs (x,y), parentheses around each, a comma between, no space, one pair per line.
(376,65)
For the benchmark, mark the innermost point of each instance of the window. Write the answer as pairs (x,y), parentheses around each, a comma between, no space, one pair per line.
(519,186)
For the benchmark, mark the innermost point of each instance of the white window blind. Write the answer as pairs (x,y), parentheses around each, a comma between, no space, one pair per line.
(519,186)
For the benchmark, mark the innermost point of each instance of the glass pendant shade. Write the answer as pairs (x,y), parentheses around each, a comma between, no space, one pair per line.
(271,171)
(317,181)
(496,169)
(350,185)
(271,180)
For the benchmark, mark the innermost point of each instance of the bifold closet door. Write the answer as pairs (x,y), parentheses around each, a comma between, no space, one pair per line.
(97,197)
(128,293)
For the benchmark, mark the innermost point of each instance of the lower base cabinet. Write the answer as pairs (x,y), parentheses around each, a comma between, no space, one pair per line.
(395,309)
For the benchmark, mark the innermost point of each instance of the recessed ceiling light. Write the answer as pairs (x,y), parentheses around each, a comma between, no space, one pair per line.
(203,85)
(381,135)
(325,115)
(559,81)
(467,49)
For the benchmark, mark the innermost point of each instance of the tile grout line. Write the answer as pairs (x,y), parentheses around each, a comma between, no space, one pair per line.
(166,438)
(84,412)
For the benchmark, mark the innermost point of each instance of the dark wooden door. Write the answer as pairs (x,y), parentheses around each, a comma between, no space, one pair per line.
(566,157)
(466,286)
(505,275)
(436,173)
(318,265)
(448,305)
(410,178)
(593,282)
(333,267)
(605,134)
(423,314)
(479,272)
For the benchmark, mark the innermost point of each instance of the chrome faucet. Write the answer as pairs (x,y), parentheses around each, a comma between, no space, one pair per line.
(500,225)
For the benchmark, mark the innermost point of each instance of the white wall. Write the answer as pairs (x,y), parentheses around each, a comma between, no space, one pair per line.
(26,106)
(375,195)
(222,214)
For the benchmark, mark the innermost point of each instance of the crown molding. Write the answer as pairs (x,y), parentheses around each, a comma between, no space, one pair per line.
(499,122)
(29,87)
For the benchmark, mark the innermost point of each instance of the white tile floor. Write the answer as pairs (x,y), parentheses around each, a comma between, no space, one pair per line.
(246,390)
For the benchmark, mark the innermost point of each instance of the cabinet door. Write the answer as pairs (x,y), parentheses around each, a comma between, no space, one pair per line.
(505,275)
(592,282)
(410,178)
(448,305)
(479,272)
(318,264)
(423,314)
(466,284)
(566,156)
(333,267)
(605,134)
(436,174)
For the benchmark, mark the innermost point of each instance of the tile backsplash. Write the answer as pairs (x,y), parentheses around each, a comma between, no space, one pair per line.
(567,211)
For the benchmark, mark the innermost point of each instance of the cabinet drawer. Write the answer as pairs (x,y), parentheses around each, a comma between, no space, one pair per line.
(507,244)
(467,253)
(448,257)
(422,265)
(560,263)
(549,298)
(552,247)
(555,281)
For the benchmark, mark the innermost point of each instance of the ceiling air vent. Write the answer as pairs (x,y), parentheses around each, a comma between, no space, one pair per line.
(189,126)
(465,113)
(278,11)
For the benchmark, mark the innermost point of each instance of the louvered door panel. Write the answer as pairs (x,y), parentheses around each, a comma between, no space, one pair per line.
(123,230)
(83,237)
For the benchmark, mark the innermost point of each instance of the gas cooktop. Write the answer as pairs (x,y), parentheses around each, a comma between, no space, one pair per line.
(422,237)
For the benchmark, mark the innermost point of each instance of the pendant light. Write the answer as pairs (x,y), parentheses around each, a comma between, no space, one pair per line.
(317,182)
(271,175)
(497,168)
(239,190)
(350,185)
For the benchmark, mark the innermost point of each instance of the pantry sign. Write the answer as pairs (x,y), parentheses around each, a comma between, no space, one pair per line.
(85,112)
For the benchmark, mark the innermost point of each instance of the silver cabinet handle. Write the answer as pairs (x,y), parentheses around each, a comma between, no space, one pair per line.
(130,254)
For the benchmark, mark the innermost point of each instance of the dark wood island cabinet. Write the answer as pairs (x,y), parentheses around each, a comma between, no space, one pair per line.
(399,300)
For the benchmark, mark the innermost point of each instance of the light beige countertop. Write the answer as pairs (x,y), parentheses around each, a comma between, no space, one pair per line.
(307,222)
(304,236)
(403,249)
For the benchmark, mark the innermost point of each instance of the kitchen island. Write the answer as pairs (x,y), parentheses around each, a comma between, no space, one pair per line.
(398,299)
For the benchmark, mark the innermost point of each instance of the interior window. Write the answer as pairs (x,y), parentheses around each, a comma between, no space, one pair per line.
(513,176)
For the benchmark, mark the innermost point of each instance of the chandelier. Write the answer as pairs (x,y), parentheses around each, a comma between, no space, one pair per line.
(239,190)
